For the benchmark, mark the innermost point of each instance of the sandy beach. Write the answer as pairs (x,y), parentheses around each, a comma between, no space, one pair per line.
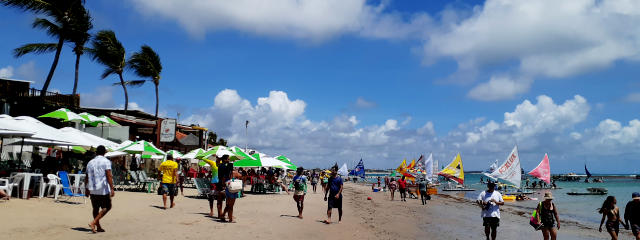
(138,216)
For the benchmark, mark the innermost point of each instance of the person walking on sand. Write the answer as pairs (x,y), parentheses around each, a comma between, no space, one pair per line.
(335,195)
(169,169)
(422,187)
(99,184)
(632,215)
(215,185)
(402,185)
(300,187)
(386,182)
(314,180)
(490,201)
(548,216)
(393,185)
(610,211)
(231,196)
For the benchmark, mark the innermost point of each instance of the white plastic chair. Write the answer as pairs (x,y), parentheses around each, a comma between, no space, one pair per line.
(54,183)
(13,182)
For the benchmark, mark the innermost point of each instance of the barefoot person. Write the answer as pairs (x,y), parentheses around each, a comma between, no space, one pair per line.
(99,184)
(300,186)
(632,215)
(4,195)
(215,183)
(169,171)
(314,180)
(334,200)
(402,185)
(610,211)
(230,194)
(393,185)
(548,216)
(490,201)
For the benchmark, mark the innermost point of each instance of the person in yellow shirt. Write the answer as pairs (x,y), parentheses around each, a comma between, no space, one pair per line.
(169,170)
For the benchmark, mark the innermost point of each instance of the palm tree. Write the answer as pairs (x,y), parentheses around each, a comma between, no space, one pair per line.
(108,51)
(146,63)
(79,35)
(60,12)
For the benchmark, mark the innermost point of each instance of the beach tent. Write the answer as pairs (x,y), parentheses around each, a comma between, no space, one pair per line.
(88,138)
(10,128)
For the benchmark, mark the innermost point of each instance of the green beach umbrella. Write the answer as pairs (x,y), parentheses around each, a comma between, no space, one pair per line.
(64,114)
(78,149)
(261,160)
(193,153)
(288,161)
(174,153)
(218,151)
(142,147)
(240,154)
(89,118)
(108,121)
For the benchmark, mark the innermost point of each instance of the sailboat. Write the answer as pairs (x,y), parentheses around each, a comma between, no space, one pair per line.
(455,172)
(509,171)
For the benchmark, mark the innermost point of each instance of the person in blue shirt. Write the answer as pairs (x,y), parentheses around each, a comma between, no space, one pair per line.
(334,199)
(300,187)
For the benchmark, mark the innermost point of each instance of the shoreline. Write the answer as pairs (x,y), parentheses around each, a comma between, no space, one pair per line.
(272,216)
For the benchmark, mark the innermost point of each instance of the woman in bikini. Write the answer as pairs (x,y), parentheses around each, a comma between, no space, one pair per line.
(611,212)
(392,187)
(548,216)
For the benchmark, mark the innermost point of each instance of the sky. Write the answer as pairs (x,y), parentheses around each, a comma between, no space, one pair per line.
(326,81)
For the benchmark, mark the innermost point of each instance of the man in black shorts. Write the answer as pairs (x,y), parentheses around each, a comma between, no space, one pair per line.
(335,195)
(99,184)
(632,215)
(490,201)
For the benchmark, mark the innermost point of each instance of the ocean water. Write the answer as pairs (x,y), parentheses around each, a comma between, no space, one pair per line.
(577,208)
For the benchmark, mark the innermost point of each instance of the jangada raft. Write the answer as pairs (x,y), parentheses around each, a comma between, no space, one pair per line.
(455,172)
(590,191)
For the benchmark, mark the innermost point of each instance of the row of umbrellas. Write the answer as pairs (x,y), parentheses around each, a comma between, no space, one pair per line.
(87,118)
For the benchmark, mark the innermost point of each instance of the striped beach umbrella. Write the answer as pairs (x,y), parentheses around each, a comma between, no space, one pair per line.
(142,147)
(64,114)
(218,151)
(174,153)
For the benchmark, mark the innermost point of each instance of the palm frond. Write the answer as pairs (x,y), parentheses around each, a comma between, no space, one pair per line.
(28,5)
(51,28)
(145,63)
(135,83)
(108,51)
(107,72)
(37,48)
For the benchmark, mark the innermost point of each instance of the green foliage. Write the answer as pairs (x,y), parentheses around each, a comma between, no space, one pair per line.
(108,51)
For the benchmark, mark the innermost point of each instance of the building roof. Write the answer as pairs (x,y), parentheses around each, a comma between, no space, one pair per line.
(15,80)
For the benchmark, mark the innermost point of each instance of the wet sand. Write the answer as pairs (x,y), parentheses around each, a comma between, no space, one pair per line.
(272,216)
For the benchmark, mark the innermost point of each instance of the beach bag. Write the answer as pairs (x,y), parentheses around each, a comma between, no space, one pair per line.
(534,219)
(235,185)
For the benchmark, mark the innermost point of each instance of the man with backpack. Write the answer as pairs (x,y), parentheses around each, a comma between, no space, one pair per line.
(300,187)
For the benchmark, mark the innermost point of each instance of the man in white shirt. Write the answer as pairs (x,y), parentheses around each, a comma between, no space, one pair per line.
(490,201)
(99,184)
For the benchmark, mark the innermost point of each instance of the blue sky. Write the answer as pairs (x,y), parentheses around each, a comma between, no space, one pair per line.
(327,81)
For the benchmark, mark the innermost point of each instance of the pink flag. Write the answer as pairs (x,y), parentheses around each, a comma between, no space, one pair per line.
(542,171)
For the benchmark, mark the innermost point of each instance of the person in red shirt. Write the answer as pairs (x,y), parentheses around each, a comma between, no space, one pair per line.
(402,186)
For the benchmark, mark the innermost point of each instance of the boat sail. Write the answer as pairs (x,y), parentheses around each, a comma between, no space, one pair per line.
(429,166)
(454,170)
(509,170)
(542,171)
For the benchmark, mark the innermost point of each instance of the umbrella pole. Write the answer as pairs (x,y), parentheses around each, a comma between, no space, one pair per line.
(1,145)
(21,146)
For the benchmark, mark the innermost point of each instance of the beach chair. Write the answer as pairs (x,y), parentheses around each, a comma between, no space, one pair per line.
(67,190)
(203,187)
(136,184)
(12,182)
(146,182)
(54,183)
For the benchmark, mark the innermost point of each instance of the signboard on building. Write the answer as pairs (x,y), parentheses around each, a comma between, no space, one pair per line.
(168,130)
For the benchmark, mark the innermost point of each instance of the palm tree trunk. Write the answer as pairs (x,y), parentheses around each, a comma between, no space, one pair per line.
(157,100)
(53,67)
(126,96)
(75,82)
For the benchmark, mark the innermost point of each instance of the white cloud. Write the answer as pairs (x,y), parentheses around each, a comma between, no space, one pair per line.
(314,20)
(29,71)
(278,125)
(362,103)
(134,106)
(545,38)
(633,97)
(500,88)
(6,72)
(101,97)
